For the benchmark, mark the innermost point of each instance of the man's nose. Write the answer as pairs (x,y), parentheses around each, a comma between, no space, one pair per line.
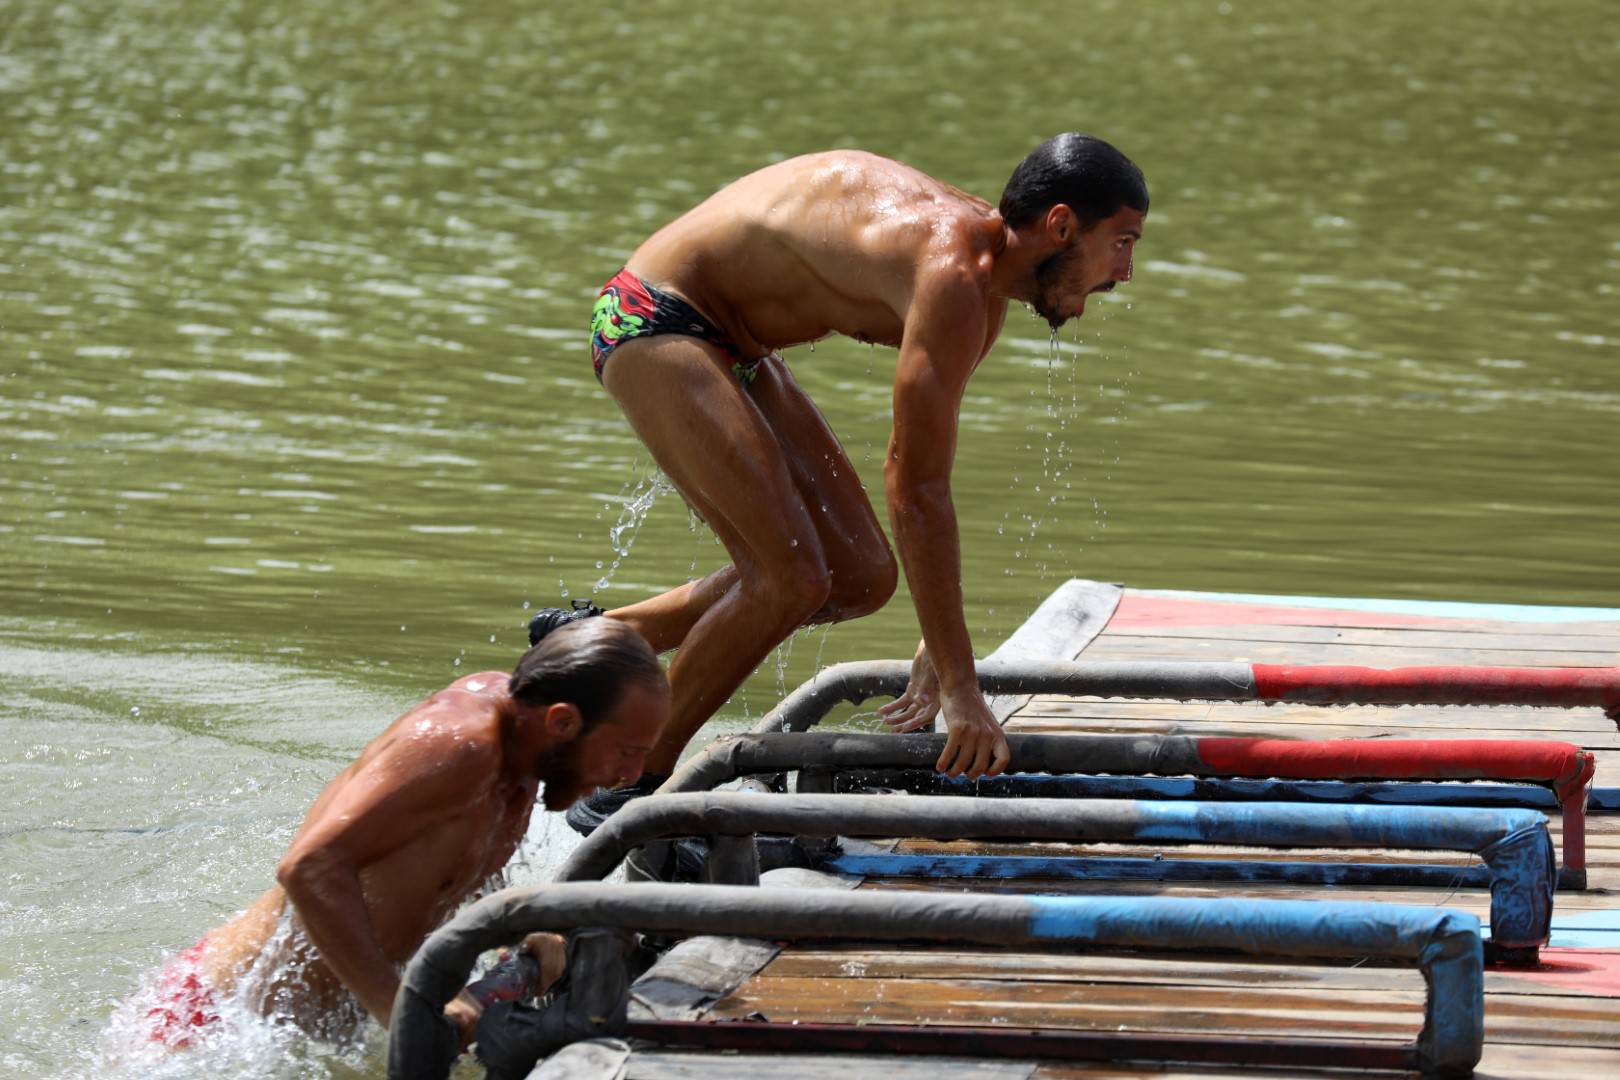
(1129,267)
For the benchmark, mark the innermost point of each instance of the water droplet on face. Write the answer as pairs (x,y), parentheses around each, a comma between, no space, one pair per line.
(793,543)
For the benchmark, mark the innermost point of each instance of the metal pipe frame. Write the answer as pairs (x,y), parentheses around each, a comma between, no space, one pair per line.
(1513,844)
(1444,945)
(1304,684)
(1565,768)
(1213,789)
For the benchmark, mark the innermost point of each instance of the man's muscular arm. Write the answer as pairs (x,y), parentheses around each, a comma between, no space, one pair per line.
(395,797)
(944,339)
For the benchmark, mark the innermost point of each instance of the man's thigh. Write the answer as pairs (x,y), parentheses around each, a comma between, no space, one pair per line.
(714,443)
(839,507)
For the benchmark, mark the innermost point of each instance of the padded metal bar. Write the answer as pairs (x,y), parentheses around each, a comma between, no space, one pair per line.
(1563,767)
(1513,844)
(1306,684)
(1444,945)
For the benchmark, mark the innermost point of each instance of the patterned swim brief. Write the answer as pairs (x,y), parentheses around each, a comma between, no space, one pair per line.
(628,307)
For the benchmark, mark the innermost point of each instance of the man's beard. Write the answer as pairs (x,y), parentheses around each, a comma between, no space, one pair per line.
(1048,274)
(563,786)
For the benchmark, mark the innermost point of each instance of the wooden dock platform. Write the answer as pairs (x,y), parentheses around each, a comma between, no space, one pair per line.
(1559,1018)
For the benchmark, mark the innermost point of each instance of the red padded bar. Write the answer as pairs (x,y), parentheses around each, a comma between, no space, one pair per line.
(1564,767)
(1328,684)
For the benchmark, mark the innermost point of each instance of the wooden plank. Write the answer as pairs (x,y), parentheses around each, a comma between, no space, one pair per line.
(1167,969)
(1320,725)
(1060,629)
(1258,1011)
(1502,1061)
(1133,647)
(1384,1014)
(1323,728)
(1515,637)
(677,1065)
(1525,723)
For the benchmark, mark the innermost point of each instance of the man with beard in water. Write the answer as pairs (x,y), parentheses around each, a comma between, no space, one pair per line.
(431,810)
(684,338)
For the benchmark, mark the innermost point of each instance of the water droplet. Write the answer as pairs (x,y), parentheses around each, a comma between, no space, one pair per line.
(793,543)
(456,662)
(402,629)
(492,638)
(135,710)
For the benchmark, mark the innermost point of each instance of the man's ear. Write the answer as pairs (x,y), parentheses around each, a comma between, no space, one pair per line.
(1061,224)
(562,721)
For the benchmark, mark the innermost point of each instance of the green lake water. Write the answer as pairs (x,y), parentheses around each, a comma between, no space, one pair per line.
(297,419)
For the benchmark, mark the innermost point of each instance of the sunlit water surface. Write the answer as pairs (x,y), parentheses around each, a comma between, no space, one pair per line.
(297,422)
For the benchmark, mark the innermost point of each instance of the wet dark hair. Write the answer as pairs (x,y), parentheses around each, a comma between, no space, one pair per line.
(589,664)
(1081,171)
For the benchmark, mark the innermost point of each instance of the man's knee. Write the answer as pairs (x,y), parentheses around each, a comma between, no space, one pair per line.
(863,588)
(797,591)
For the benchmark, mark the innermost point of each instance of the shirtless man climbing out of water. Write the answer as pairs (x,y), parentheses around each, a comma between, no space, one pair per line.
(430,811)
(685,340)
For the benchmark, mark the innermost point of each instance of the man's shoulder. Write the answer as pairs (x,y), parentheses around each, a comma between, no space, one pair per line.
(957,265)
(481,681)
(457,720)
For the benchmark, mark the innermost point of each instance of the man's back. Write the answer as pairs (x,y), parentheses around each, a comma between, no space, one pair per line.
(418,848)
(825,243)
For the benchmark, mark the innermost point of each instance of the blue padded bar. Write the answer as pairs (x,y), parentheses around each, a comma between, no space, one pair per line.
(1108,868)
(1084,786)
(1445,945)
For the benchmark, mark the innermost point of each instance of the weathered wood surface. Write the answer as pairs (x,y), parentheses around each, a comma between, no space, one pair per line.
(676,1065)
(1533,1029)
(1162,969)
(1339,1012)
(1501,1062)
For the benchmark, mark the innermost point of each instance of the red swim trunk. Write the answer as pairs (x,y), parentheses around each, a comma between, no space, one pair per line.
(185,1004)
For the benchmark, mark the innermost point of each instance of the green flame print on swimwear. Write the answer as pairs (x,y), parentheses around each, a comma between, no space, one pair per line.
(609,320)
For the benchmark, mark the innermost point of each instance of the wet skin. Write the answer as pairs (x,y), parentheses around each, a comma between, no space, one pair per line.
(854,244)
(429,811)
